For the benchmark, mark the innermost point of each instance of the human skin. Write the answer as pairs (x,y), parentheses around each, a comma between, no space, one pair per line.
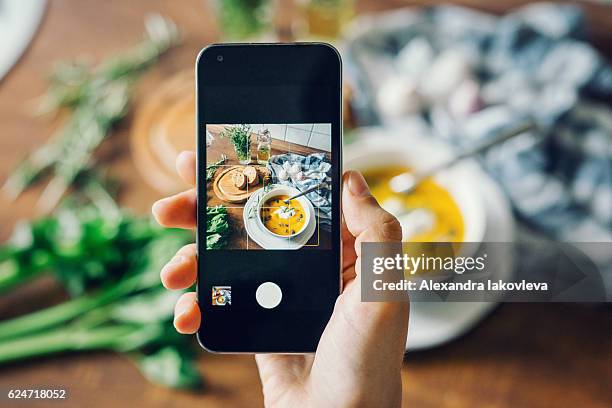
(359,357)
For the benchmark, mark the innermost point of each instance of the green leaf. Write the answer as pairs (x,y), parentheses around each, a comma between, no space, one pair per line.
(149,307)
(217,227)
(23,236)
(169,367)
(217,224)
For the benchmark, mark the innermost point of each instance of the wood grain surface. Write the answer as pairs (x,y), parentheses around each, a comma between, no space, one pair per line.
(540,355)
(163,125)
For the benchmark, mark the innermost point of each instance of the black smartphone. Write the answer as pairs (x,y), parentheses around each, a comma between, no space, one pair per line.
(269,136)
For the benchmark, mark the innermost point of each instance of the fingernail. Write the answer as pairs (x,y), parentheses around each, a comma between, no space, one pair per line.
(177,316)
(167,268)
(181,309)
(357,185)
(176,260)
(157,206)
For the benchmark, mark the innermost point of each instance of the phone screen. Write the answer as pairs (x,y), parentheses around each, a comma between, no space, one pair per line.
(269,129)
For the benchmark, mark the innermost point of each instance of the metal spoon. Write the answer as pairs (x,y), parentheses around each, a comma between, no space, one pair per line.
(407,182)
(311,189)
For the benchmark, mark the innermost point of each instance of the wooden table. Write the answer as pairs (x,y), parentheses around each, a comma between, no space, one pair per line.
(538,355)
(239,239)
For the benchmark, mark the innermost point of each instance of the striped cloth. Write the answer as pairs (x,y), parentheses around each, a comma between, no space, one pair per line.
(533,62)
(316,170)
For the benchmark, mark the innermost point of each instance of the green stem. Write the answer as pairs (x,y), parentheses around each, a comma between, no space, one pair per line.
(16,278)
(66,311)
(62,340)
(45,318)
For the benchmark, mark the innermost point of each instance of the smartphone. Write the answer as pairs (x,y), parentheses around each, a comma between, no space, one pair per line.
(269,128)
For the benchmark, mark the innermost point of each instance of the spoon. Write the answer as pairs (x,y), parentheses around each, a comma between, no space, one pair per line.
(407,182)
(311,189)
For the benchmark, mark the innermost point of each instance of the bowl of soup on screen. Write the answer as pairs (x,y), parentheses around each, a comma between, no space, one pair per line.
(444,208)
(280,216)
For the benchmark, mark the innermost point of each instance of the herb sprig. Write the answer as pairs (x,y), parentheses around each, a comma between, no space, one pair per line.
(240,137)
(240,19)
(217,227)
(97,98)
(109,261)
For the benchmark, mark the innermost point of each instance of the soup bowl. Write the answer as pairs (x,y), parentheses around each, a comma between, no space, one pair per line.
(378,151)
(432,320)
(281,190)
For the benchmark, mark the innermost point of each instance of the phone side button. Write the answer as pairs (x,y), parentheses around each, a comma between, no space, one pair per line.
(268,295)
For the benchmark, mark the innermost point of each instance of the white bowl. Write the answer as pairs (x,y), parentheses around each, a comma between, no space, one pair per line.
(283,190)
(486,212)
(419,153)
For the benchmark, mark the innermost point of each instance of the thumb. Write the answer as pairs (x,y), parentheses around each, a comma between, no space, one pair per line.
(364,218)
(363,344)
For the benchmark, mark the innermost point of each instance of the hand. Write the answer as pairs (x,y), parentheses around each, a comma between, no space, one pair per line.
(359,357)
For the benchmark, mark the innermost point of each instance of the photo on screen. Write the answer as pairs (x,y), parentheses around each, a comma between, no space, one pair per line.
(268,186)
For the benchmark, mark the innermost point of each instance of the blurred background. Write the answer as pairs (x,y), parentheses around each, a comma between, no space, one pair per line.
(97,99)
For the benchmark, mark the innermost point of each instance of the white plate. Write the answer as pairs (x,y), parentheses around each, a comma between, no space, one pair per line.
(435,323)
(269,241)
(18,23)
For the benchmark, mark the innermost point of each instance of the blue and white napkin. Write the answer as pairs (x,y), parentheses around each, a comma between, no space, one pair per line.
(315,169)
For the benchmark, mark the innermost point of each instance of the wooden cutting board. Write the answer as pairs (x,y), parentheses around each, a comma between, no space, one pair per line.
(164,125)
(224,188)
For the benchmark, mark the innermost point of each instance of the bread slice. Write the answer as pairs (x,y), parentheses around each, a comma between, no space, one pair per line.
(251,174)
(240,180)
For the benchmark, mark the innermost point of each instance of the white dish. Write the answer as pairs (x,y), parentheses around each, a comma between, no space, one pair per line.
(19,21)
(486,213)
(257,232)
(375,149)
(284,190)
(435,323)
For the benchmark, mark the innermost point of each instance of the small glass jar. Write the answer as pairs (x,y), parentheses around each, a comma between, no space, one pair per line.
(324,18)
(264,146)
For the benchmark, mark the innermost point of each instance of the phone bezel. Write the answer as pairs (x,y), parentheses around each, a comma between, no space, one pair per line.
(303,328)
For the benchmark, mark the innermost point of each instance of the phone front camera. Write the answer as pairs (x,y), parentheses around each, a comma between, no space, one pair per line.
(220,58)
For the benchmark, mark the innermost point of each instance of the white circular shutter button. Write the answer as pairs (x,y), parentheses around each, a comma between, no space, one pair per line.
(268,295)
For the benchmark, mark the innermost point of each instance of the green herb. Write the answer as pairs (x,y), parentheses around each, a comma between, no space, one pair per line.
(109,261)
(286,209)
(217,227)
(240,137)
(129,259)
(83,246)
(97,98)
(211,169)
(240,19)
(170,366)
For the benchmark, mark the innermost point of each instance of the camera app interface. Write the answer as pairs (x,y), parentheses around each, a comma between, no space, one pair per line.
(268,186)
